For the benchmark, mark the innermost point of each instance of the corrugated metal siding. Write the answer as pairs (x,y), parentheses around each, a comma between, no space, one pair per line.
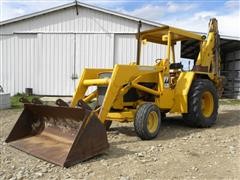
(41,53)
(94,50)
(151,52)
(66,20)
(43,62)
(126,50)
(1,60)
(17,62)
(56,64)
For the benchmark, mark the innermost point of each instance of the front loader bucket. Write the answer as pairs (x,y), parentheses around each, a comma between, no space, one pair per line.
(62,135)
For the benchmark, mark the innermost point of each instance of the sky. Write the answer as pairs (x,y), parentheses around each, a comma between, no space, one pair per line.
(188,14)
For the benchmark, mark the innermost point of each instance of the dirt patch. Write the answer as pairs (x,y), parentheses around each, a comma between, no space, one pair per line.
(179,152)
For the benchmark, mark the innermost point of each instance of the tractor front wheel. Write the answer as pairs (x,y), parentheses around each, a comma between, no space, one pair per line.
(202,104)
(147,121)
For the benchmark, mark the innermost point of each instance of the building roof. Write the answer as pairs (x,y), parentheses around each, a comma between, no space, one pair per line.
(190,48)
(20,18)
(72,4)
(222,36)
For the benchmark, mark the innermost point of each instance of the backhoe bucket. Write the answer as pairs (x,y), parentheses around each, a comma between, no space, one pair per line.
(62,135)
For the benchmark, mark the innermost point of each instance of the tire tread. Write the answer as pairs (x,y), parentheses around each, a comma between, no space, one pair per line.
(140,120)
(194,116)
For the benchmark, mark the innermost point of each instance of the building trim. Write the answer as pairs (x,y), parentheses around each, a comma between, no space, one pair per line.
(28,16)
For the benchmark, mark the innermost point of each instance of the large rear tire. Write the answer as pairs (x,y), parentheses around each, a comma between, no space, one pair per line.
(147,121)
(202,104)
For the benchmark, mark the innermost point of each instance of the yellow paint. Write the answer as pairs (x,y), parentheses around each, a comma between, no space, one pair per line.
(181,92)
(94,82)
(166,99)
(81,88)
(143,88)
(152,122)
(206,54)
(207,104)
(121,116)
(169,96)
(169,45)
(122,75)
(90,96)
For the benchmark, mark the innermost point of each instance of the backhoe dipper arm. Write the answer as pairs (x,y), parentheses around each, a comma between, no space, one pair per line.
(209,55)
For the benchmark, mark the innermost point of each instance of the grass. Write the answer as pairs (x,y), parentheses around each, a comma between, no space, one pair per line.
(229,101)
(15,100)
(16,104)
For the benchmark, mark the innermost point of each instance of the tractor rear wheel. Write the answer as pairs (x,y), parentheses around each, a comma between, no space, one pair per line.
(147,121)
(202,104)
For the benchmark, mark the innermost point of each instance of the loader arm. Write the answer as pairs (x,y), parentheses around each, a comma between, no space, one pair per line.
(88,74)
(122,75)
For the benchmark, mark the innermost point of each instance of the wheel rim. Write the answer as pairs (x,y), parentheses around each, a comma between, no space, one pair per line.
(152,123)
(207,104)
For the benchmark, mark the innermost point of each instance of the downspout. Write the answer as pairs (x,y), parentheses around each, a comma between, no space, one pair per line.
(74,77)
(139,43)
(76,5)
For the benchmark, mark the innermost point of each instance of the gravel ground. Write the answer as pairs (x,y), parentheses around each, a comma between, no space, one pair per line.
(179,152)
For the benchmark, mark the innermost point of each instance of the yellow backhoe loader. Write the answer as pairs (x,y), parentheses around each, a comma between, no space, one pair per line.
(66,134)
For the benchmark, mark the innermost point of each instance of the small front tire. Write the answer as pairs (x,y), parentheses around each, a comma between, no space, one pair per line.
(147,121)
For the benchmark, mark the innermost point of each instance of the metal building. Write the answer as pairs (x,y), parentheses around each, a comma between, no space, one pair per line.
(230,64)
(47,50)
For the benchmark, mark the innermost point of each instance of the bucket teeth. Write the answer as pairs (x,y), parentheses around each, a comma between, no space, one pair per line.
(24,100)
(61,135)
(62,103)
(36,101)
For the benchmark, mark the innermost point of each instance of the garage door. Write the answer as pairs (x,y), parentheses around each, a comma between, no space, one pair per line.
(93,50)
(56,64)
(43,62)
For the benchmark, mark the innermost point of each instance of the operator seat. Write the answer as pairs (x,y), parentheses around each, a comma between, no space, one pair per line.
(176,66)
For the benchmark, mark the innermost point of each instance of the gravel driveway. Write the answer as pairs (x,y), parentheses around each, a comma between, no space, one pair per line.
(179,152)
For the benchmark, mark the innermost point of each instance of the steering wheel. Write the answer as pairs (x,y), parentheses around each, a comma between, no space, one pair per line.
(157,61)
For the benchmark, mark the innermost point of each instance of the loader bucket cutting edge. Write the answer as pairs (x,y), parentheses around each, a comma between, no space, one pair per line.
(61,135)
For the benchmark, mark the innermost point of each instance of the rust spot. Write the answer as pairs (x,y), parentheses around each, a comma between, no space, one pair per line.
(61,135)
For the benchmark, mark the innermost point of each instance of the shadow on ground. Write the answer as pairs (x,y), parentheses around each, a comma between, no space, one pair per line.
(174,127)
(171,128)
